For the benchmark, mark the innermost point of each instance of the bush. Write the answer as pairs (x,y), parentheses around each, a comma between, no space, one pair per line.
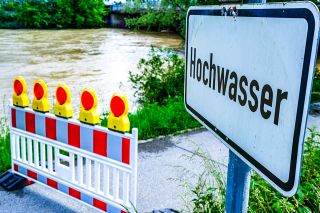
(159,20)
(160,77)
(159,87)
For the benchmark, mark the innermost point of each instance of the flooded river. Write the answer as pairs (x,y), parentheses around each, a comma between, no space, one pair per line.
(99,58)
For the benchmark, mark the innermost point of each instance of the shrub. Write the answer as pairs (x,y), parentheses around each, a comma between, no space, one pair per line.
(160,77)
(159,20)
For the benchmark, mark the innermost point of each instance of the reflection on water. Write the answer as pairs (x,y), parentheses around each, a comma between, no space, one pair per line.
(99,58)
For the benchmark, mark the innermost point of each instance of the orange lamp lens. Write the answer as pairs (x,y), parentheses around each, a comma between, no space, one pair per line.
(61,95)
(117,106)
(87,100)
(38,91)
(18,87)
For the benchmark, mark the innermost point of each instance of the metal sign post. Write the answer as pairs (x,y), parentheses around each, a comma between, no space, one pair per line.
(238,185)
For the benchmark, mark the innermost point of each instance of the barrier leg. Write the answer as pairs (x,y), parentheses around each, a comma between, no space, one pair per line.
(238,185)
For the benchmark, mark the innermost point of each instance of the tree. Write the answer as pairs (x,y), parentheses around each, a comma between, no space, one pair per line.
(89,13)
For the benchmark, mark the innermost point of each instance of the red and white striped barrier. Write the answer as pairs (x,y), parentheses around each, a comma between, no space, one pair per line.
(87,162)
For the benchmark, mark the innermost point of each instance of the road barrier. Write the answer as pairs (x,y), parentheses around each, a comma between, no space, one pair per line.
(93,164)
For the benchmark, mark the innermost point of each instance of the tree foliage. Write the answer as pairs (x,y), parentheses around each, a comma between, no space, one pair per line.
(170,16)
(55,13)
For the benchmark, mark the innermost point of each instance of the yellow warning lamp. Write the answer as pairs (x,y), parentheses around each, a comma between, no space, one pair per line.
(20,97)
(40,101)
(88,111)
(118,119)
(63,107)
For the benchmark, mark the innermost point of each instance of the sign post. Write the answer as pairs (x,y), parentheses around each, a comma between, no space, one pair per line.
(249,72)
(238,184)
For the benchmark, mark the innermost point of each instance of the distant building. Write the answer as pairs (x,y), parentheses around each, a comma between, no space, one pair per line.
(111,2)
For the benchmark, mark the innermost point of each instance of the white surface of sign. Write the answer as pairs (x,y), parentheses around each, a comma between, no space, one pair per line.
(248,79)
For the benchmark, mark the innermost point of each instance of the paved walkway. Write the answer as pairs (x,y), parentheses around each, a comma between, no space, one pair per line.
(161,163)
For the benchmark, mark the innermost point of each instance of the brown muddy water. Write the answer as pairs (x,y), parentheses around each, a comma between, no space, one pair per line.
(98,58)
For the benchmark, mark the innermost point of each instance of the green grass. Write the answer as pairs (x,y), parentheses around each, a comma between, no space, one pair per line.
(154,120)
(5,157)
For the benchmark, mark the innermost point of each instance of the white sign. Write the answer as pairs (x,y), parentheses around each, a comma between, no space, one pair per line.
(248,79)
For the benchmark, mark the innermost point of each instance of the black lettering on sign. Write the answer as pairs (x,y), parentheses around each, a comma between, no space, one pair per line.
(193,62)
(253,105)
(239,89)
(205,67)
(199,68)
(222,80)
(243,100)
(214,69)
(280,97)
(266,90)
(233,87)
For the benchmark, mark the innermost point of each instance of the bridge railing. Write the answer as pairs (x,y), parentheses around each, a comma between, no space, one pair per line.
(119,7)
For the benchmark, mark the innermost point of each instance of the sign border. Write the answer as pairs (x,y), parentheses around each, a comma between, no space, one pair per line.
(303,13)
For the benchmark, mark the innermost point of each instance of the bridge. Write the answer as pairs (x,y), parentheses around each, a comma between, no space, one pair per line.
(120,9)
(118,6)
